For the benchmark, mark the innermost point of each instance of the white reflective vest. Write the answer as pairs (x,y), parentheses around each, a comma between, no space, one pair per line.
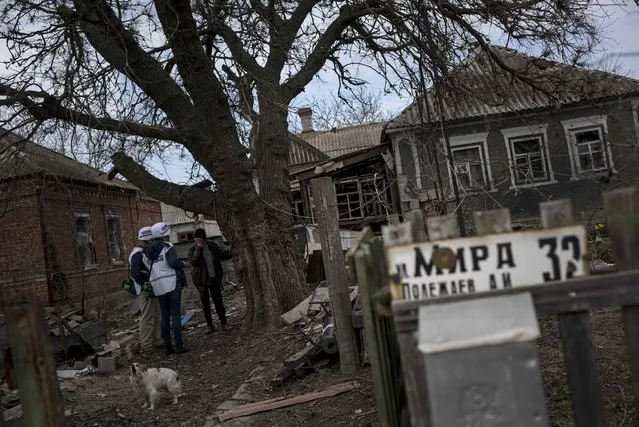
(163,278)
(135,250)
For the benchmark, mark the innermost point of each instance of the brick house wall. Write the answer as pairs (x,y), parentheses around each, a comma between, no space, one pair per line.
(22,263)
(53,207)
(522,200)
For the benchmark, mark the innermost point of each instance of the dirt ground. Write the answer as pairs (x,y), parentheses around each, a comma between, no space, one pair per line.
(219,363)
(216,365)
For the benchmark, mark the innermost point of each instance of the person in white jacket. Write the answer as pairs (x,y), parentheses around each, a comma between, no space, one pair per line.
(166,275)
(149,307)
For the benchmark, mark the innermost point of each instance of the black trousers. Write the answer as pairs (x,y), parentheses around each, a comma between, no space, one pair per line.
(213,291)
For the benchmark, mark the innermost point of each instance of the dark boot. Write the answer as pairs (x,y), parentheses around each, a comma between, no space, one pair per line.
(181,349)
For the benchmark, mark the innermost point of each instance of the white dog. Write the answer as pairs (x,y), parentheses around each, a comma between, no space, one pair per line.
(148,381)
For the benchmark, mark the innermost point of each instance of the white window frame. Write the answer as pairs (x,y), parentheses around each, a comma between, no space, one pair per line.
(122,248)
(531,131)
(85,266)
(581,124)
(398,161)
(635,118)
(480,140)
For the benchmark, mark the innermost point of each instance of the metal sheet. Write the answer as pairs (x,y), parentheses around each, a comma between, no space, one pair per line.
(482,264)
(488,386)
(477,322)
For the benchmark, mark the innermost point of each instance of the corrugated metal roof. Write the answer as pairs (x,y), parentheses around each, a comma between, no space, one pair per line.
(479,87)
(173,215)
(301,152)
(340,141)
(21,158)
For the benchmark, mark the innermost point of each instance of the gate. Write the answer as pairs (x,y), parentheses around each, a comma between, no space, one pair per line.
(490,375)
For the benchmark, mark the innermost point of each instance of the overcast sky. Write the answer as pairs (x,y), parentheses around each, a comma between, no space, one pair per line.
(619,52)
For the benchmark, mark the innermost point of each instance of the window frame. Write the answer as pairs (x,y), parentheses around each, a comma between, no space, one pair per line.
(581,124)
(480,140)
(635,118)
(85,265)
(513,134)
(122,248)
(185,234)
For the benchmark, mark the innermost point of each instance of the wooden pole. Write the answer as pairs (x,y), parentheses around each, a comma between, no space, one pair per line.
(325,203)
(34,366)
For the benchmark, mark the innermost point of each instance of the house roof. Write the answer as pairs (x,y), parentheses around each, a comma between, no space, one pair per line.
(339,141)
(173,215)
(20,158)
(301,152)
(479,87)
(341,162)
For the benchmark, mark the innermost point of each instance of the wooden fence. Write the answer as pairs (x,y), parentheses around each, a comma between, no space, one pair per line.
(570,300)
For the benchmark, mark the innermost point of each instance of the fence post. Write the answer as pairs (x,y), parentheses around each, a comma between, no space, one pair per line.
(325,203)
(480,355)
(34,366)
(576,338)
(622,212)
(366,260)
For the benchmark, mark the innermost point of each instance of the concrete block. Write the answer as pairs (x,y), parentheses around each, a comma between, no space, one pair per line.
(107,364)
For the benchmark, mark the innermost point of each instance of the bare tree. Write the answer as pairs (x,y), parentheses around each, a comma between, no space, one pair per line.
(353,107)
(186,74)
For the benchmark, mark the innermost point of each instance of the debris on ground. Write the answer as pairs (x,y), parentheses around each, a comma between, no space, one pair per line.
(73,373)
(316,329)
(271,404)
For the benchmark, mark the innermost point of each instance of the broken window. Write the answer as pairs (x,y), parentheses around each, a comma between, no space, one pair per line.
(116,242)
(84,240)
(363,197)
(529,160)
(470,167)
(589,150)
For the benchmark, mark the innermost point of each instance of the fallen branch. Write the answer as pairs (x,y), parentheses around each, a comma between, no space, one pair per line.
(282,402)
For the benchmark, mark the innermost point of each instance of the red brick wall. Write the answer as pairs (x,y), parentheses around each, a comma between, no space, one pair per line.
(22,262)
(60,202)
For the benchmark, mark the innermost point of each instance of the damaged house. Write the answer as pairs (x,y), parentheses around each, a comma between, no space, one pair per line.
(66,230)
(551,131)
(359,161)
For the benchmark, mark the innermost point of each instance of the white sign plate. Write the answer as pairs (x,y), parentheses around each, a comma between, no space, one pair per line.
(482,264)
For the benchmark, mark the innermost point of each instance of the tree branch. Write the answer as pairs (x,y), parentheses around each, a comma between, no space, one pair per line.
(107,34)
(51,108)
(194,66)
(234,43)
(189,198)
(324,47)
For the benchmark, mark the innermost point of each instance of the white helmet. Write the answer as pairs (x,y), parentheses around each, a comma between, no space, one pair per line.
(159,230)
(145,234)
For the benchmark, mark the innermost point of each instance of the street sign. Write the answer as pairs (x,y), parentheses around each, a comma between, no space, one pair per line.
(485,263)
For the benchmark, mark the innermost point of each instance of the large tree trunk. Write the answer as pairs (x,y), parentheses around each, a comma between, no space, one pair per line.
(260,226)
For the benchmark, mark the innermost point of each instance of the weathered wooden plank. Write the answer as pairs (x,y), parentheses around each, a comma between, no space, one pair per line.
(492,222)
(579,294)
(34,366)
(576,339)
(363,263)
(622,212)
(442,227)
(328,220)
(268,405)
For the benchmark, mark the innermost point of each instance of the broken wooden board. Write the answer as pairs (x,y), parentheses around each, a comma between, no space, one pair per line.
(321,298)
(298,312)
(303,355)
(283,402)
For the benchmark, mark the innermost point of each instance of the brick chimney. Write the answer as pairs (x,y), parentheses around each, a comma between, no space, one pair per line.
(306,117)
